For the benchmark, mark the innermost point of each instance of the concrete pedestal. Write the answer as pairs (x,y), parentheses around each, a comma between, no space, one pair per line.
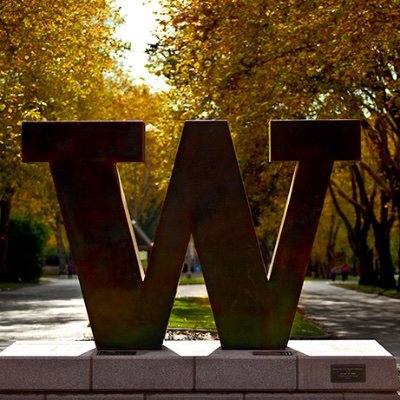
(199,370)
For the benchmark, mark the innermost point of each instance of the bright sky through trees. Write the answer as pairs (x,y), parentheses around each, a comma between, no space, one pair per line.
(140,20)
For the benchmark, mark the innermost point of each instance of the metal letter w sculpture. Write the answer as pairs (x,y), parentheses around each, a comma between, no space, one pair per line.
(253,307)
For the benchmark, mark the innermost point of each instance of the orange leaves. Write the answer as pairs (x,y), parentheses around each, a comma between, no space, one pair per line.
(52,55)
(248,61)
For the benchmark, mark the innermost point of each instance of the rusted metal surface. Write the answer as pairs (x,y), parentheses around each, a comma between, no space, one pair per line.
(205,198)
(315,145)
(315,140)
(82,159)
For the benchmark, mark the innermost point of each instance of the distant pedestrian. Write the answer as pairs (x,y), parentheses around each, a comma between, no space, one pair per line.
(313,270)
(70,270)
(334,272)
(345,272)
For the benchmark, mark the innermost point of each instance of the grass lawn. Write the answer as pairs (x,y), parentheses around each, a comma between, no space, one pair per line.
(195,313)
(304,327)
(191,281)
(11,285)
(192,313)
(371,289)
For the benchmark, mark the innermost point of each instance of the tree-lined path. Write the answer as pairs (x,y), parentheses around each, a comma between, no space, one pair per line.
(56,311)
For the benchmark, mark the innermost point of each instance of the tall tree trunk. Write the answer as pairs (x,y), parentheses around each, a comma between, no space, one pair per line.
(382,231)
(398,252)
(382,246)
(381,227)
(398,282)
(331,245)
(357,235)
(5,211)
(368,275)
(62,259)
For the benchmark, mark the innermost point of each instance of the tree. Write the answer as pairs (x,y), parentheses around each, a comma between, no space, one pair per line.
(31,235)
(36,197)
(251,61)
(358,230)
(52,53)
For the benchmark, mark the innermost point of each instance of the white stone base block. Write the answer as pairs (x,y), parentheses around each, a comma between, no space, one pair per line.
(190,370)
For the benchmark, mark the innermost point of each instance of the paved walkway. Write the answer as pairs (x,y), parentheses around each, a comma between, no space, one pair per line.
(56,311)
(344,313)
(47,312)
(352,315)
(192,291)
(53,311)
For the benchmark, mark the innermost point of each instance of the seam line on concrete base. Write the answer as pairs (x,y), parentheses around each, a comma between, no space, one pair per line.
(91,374)
(194,378)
